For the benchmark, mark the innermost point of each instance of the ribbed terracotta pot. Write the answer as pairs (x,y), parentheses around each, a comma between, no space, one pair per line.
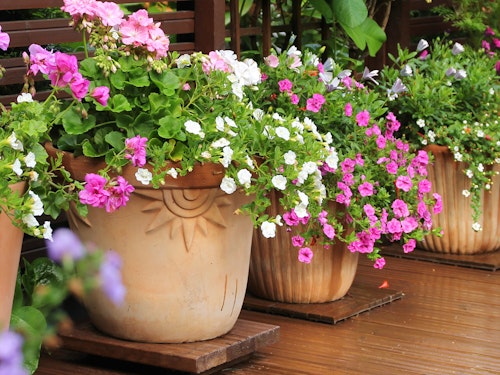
(455,220)
(277,275)
(11,241)
(185,257)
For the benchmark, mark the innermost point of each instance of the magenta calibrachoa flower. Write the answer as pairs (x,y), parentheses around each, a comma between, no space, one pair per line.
(379,187)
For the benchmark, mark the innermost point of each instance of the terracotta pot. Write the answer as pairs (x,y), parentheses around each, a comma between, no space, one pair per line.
(11,241)
(185,257)
(449,181)
(277,275)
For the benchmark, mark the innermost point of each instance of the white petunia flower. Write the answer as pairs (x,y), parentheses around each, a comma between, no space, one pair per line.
(480,167)
(172,172)
(144,176)
(227,156)
(249,162)
(258,114)
(16,167)
(30,160)
(245,177)
(37,206)
(476,227)
(228,185)
(332,159)
(33,176)
(290,157)
(457,49)
(310,167)
(220,143)
(283,133)
(469,173)
(407,71)
(47,231)
(422,44)
(219,123)
(194,127)
(206,155)
(458,156)
(421,123)
(301,210)
(30,221)
(268,229)
(279,182)
(466,193)
(460,74)
(25,97)
(15,143)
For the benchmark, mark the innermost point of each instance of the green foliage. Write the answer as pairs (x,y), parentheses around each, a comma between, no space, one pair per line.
(452,98)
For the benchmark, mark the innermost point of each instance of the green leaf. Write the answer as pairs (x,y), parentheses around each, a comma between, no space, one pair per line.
(88,67)
(167,82)
(115,139)
(322,7)
(139,78)
(74,123)
(119,103)
(350,12)
(369,33)
(171,127)
(118,79)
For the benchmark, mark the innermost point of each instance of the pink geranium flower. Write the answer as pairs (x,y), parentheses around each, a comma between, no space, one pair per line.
(315,103)
(135,150)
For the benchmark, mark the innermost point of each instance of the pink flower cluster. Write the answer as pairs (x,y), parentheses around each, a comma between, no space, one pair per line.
(62,70)
(4,40)
(101,193)
(291,219)
(135,150)
(138,31)
(491,47)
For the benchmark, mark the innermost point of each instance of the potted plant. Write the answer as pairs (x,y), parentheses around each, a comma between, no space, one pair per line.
(375,186)
(43,286)
(140,126)
(447,96)
(24,184)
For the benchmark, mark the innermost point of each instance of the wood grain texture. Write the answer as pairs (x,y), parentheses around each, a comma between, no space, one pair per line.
(447,323)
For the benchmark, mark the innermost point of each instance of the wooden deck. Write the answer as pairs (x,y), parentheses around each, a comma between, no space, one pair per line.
(448,322)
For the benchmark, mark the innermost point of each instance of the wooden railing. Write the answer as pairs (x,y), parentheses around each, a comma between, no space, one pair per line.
(195,25)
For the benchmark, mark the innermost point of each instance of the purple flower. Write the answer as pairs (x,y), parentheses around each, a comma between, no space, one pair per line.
(305,255)
(298,241)
(329,231)
(11,355)
(379,263)
(65,244)
(362,118)
(438,206)
(111,278)
(285,85)
(404,183)
(400,208)
(314,104)
(366,189)
(409,246)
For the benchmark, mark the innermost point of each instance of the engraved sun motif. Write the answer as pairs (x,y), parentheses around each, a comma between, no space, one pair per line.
(185,211)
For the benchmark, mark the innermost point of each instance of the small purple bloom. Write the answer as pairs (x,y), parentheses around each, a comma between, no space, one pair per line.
(11,355)
(305,255)
(379,263)
(111,278)
(65,244)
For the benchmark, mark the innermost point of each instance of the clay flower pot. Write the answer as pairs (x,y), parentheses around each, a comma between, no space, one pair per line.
(11,241)
(459,238)
(185,256)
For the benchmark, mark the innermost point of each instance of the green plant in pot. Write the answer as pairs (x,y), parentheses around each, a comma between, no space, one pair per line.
(375,177)
(141,125)
(447,95)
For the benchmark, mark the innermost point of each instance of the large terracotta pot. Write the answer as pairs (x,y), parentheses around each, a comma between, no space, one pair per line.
(455,220)
(11,241)
(277,275)
(185,257)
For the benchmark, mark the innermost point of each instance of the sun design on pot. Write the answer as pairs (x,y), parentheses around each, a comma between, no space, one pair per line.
(186,211)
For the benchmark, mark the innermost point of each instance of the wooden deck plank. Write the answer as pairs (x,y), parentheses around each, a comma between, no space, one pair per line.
(447,323)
